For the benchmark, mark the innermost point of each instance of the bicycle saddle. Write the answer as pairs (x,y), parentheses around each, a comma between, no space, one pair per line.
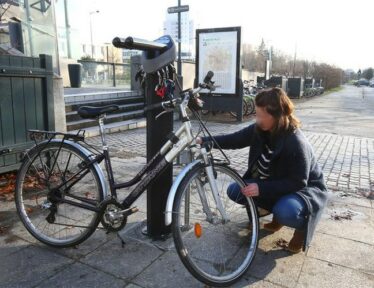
(93,112)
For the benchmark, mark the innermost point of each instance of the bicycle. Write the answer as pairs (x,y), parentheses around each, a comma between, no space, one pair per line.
(61,194)
(249,94)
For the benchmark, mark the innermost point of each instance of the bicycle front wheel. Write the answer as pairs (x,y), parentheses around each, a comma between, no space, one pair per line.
(49,220)
(214,251)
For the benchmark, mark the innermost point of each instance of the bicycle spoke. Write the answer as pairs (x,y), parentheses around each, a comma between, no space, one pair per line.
(220,250)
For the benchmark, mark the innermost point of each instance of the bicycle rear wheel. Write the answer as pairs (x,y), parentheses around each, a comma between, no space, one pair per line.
(49,220)
(214,252)
(251,106)
(244,109)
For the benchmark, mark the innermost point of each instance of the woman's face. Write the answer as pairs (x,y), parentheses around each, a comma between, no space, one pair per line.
(263,119)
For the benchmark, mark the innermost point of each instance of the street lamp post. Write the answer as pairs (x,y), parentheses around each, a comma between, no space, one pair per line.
(91,13)
(179,66)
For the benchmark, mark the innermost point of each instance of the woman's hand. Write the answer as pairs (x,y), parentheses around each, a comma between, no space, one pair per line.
(251,190)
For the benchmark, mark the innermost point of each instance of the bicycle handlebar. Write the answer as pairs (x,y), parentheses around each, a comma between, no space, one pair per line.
(138,44)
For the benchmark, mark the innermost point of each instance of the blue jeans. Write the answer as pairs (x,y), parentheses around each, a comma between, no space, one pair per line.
(290,210)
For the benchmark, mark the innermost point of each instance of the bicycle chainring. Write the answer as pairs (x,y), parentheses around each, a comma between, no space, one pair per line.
(111,221)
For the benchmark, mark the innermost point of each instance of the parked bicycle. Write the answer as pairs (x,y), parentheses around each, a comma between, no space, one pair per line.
(249,88)
(61,194)
(249,94)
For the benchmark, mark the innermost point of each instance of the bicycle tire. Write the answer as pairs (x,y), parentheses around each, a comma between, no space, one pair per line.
(34,183)
(244,110)
(195,260)
(251,106)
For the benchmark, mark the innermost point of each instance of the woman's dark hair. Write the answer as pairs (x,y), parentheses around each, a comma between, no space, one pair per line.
(277,104)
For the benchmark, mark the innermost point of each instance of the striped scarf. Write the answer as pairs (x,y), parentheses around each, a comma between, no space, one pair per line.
(260,169)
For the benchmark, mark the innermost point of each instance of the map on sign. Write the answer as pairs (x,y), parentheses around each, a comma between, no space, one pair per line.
(218,53)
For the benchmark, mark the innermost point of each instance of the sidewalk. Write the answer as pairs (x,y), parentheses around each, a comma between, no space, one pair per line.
(341,255)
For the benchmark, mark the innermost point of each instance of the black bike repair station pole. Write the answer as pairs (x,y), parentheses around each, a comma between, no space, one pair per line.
(157,132)
(157,129)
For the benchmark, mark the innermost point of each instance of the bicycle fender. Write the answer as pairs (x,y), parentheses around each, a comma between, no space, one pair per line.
(174,188)
(87,153)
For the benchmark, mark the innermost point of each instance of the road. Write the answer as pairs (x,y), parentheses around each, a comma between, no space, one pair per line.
(347,112)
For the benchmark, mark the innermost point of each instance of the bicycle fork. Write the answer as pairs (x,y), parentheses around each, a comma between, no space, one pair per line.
(214,188)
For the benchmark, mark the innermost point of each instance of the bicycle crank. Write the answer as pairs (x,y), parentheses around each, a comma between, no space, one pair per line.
(115,215)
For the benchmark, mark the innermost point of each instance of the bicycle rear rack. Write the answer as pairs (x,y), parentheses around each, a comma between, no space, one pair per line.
(40,135)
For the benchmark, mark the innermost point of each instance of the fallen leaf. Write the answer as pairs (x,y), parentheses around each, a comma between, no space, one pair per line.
(281,243)
(3,229)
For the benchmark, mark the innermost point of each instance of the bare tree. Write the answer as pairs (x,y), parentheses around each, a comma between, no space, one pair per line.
(285,64)
(331,76)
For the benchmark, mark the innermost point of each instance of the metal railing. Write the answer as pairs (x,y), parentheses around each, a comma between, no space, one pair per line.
(105,74)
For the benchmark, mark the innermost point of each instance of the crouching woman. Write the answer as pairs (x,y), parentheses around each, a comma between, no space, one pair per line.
(283,176)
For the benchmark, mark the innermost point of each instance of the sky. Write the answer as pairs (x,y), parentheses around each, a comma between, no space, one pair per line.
(336,32)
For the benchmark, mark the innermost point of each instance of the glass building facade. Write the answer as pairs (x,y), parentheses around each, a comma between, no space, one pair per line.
(52,27)
(65,30)
(29,26)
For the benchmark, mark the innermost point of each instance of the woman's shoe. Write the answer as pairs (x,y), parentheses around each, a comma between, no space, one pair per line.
(273,226)
(297,242)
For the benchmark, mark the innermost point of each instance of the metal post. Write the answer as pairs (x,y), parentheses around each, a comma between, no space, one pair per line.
(29,30)
(114,74)
(91,36)
(67,25)
(179,42)
(294,62)
(93,12)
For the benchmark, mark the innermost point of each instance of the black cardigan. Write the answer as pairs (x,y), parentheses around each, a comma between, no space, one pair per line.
(293,169)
